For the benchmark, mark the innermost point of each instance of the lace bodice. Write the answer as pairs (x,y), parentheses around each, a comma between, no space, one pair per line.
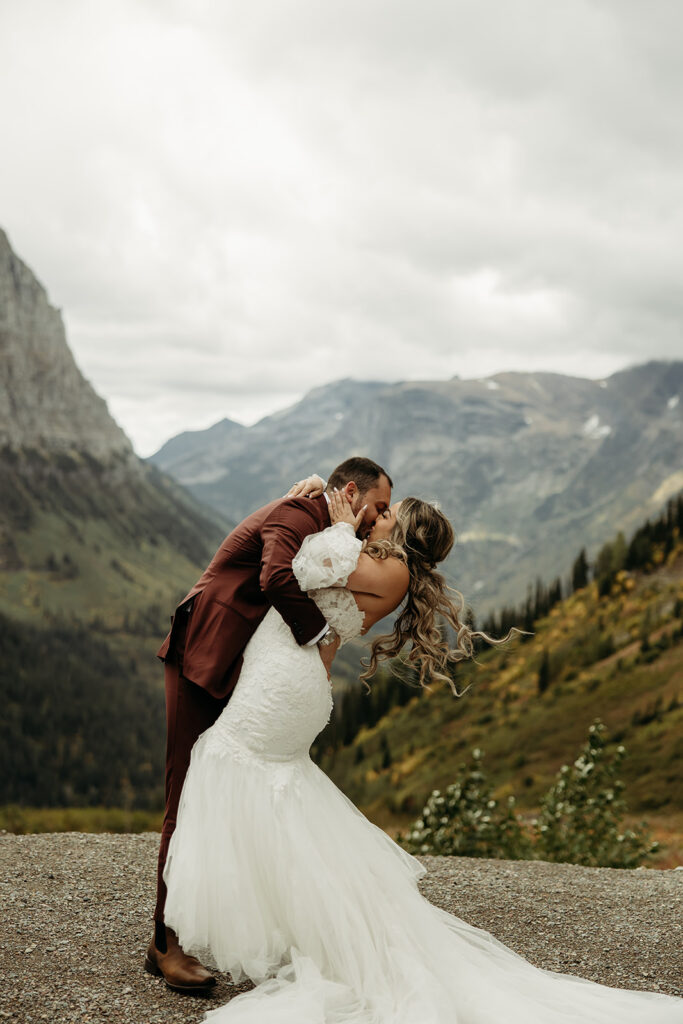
(283,699)
(322,568)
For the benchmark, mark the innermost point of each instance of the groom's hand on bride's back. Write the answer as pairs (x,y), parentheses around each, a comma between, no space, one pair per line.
(312,487)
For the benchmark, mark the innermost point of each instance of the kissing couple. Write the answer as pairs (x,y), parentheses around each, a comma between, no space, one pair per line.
(266,870)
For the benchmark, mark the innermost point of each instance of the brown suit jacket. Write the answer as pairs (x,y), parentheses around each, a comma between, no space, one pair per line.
(250,572)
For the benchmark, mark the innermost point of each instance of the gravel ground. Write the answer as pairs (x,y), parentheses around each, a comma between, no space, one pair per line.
(75,922)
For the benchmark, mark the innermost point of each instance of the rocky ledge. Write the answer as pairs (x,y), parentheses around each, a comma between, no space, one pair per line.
(76,921)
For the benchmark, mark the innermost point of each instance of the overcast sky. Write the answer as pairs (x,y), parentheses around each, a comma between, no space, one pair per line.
(234,202)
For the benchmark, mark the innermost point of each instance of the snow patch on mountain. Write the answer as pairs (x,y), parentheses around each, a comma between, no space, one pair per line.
(594,429)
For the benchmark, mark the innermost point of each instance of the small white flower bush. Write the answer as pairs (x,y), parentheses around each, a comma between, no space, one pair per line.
(581,814)
(466,820)
(579,822)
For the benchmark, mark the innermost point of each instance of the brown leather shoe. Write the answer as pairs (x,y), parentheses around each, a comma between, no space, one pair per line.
(181,972)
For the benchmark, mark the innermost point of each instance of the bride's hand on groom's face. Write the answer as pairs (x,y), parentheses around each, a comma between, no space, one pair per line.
(342,512)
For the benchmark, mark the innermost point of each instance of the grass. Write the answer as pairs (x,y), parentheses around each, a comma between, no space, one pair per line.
(115,580)
(31,820)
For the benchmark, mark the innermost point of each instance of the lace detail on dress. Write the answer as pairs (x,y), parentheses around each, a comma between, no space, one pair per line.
(322,567)
(341,611)
(282,772)
(282,699)
(328,558)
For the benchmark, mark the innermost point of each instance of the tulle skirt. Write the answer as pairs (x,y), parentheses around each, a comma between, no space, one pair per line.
(273,874)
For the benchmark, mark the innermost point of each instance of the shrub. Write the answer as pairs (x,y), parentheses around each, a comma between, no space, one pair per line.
(466,820)
(581,814)
(580,820)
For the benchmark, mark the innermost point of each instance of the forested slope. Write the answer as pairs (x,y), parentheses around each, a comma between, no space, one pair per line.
(612,649)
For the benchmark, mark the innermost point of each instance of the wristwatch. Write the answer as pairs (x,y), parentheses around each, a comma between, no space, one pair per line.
(330,637)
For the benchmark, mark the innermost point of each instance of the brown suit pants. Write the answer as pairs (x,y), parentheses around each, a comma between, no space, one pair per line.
(190,710)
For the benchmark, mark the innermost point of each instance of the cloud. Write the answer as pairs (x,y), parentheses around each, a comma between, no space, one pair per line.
(234,203)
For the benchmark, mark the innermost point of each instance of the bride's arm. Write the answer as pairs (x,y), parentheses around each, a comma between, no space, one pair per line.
(327,558)
(386,578)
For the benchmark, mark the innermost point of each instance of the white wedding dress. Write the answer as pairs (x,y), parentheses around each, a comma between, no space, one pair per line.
(272,873)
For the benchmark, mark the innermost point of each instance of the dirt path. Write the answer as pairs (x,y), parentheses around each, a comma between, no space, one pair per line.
(75,921)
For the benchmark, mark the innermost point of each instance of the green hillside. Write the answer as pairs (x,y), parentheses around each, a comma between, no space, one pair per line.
(93,559)
(78,726)
(616,655)
(106,544)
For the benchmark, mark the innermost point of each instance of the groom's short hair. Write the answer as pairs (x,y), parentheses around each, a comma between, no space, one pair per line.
(364,472)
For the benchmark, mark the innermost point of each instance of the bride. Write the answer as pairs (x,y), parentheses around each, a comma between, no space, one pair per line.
(274,874)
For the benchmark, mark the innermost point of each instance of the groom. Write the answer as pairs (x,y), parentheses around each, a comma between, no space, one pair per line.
(202,654)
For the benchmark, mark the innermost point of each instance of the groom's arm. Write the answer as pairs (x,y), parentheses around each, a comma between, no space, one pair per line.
(282,535)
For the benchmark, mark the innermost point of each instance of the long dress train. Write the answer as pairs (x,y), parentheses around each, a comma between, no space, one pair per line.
(273,873)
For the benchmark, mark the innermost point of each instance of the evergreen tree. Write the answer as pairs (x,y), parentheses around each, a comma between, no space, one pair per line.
(639,554)
(579,823)
(604,573)
(544,673)
(540,601)
(555,593)
(580,571)
(619,553)
(467,821)
(581,814)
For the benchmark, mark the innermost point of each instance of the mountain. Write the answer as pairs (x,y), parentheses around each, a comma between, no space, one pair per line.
(186,452)
(96,548)
(86,527)
(45,403)
(530,467)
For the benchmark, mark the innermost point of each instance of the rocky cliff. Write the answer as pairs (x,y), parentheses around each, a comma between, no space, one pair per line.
(83,521)
(45,402)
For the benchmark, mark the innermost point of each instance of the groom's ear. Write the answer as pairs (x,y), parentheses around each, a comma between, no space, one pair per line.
(350,490)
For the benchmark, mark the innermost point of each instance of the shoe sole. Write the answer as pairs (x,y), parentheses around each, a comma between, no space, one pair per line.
(156,971)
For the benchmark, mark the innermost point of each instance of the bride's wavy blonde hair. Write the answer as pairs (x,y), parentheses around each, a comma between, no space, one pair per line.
(422,537)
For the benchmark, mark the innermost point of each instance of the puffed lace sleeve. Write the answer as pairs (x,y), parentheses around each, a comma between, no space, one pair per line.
(328,558)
